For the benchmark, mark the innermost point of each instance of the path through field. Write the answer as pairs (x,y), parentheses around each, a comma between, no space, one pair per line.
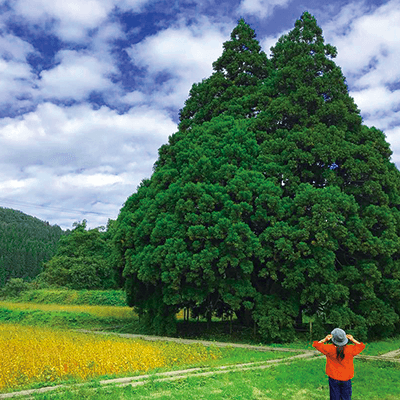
(392,356)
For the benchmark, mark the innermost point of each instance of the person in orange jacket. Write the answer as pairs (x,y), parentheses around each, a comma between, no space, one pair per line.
(339,362)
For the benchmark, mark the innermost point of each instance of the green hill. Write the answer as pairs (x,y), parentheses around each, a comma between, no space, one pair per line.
(25,243)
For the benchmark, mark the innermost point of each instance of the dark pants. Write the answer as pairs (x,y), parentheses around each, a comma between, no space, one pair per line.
(340,390)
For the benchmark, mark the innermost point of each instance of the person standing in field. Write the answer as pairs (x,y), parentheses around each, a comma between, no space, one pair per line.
(339,362)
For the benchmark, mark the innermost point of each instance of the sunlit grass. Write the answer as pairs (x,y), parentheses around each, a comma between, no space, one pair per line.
(97,311)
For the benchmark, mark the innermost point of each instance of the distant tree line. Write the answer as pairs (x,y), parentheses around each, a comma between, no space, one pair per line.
(25,244)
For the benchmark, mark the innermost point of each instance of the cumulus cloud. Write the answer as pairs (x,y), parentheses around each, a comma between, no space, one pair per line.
(73,18)
(369,54)
(261,8)
(63,160)
(16,77)
(76,76)
(73,156)
(180,56)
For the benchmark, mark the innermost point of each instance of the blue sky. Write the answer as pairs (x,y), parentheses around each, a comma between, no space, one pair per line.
(90,89)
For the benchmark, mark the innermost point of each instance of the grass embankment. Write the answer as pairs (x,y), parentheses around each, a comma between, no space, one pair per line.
(94,309)
(74,317)
(72,297)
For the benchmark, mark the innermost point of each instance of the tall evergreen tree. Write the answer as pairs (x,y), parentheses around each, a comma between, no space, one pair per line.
(234,87)
(272,200)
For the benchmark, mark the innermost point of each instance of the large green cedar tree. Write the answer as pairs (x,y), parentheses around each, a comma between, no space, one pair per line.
(271,201)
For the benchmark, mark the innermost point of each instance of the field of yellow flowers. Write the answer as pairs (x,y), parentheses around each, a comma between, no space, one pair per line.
(31,355)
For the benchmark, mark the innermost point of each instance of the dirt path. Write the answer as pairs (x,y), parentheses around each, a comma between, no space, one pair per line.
(206,371)
(390,356)
(191,341)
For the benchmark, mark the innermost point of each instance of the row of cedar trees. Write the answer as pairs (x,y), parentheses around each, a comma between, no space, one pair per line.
(272,201)
(25,243)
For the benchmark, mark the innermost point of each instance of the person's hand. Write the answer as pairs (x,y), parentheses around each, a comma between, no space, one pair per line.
(352,339)
(327,337)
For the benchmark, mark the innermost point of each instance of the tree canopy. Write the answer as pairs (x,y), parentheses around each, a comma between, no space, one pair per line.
(82,260)
(271,201)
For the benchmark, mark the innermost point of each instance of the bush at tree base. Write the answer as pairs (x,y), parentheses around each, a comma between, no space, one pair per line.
(82,260)
(271,201)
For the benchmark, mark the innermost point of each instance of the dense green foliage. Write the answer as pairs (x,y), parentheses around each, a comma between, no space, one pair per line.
(82,260)
(61,319)
(73,297)
(25,243)
(272,200)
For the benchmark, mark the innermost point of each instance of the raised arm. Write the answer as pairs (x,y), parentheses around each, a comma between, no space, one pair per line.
(325,339)
(352,339)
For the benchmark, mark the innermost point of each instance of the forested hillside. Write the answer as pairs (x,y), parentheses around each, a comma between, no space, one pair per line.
(25,243)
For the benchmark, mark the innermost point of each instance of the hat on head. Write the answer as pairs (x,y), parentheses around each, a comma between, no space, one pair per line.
(339,337)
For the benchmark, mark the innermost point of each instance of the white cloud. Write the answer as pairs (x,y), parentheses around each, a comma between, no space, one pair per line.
(73,18)
(376,99)
(88,180)
(393,137)
(76,76)
(261,8)
(13,47)
(368,45)
(15,80)
(72,157)
(367,40)
(134,97)
(16,77)
(184,54)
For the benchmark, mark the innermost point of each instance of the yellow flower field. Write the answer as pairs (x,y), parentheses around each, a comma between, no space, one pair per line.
(31,355)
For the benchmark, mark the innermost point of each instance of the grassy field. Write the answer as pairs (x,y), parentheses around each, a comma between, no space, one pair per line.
(72,297)
(123,313)
(123,357)
(37,356)
(302,380)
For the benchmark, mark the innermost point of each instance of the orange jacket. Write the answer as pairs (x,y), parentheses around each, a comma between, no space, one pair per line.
(340,370)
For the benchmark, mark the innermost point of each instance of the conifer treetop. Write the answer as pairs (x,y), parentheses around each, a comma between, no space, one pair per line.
(232,87)
(242,56)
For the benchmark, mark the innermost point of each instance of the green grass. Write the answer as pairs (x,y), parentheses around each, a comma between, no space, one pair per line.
(302,380)
(62,319)
(73,297)
(298,380)
(382,346)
